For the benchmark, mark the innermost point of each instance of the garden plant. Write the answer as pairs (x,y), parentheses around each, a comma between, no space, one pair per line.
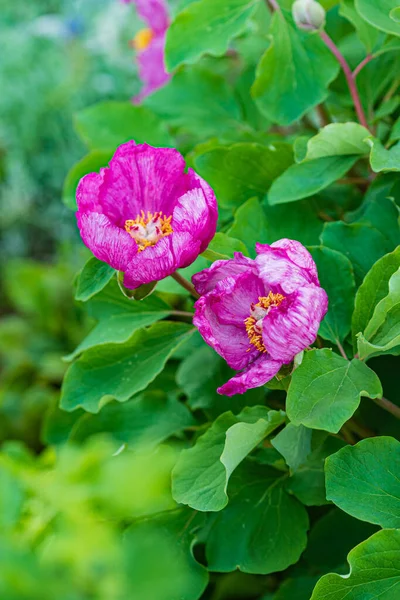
(228,424)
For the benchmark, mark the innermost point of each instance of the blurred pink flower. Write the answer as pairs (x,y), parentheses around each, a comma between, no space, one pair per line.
(144,215)
(258,314)
(150,45)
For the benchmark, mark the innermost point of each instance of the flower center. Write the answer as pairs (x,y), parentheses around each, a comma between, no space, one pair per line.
(258,311)
(147,230)
(142,39)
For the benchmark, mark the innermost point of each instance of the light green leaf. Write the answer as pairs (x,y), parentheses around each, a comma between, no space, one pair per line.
(262,530)
(145,421)
(362,244)
(108,124)
(374,572)
(284,95)
(325,390)
(241,171)
(382,159)
(120,370)
(206,26)
(91,162)
(200,477)
(222,247)
(368,35)
(338,139)
(308,178)
(92,279)
(373,289)
(336,276)
(395,133)
(378,14)
(382,334)
(159,558)
(364,480)
(191,97)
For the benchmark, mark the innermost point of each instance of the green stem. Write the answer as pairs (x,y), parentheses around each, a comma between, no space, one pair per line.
(185,284)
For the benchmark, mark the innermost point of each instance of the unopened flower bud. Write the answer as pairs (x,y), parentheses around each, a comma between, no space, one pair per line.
(308,14)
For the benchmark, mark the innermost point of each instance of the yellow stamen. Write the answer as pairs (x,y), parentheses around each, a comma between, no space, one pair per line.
(142,39)
(148,229)
(258,312)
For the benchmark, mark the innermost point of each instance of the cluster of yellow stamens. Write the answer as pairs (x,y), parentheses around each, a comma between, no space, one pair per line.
(142,39)
(146,230)
(258,311)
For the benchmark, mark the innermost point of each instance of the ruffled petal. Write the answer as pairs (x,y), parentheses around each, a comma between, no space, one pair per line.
(229,340)
(87,192)
(291,327)
(286,264)
(209,227)
(236,295)
(206,280)
(257,374)
(193,213)
(151,66)
(156,262)
(153,12)
(107,242)
(141,177)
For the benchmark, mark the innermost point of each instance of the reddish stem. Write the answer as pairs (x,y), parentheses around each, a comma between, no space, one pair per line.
(341,350)
(274,5)
(349,76)
(362,64)
(388,406)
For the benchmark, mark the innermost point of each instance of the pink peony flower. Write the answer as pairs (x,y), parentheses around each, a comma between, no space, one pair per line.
(150,44)
(258,314)
(144,215)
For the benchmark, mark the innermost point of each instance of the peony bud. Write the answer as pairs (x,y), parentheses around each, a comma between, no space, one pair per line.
(308,14)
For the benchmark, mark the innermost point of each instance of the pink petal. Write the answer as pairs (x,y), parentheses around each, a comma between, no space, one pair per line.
(255,375)
(291,327)
(229,340)
(237,294)
(206,280)
(152,68)
(154,12)
(107,242)
(194,214)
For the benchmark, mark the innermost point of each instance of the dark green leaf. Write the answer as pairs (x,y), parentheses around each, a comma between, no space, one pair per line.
(92,279)
(223,247)
(120,370)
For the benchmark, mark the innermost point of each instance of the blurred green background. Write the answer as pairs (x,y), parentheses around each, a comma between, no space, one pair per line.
(57,57)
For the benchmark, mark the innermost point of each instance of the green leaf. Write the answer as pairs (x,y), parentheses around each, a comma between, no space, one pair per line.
(382,334)
(368,35)
(338,139)
(191,97)
(200,477)
(159,558)
(142,422)
(120,370)
(241,171)
(343,532)
(382,159)
(93,161)
(374,572)
(298,588)
(200,374)
(223,246)
(206,26)
(284,95)
(109,124)
(308,178)
(337,278)
(378,14)
(294,443)
(362,244)
(119,322)
(266,224)
(373,289)
(92,279)
(308,482)
(364,480)
(325,390)
(262,530)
